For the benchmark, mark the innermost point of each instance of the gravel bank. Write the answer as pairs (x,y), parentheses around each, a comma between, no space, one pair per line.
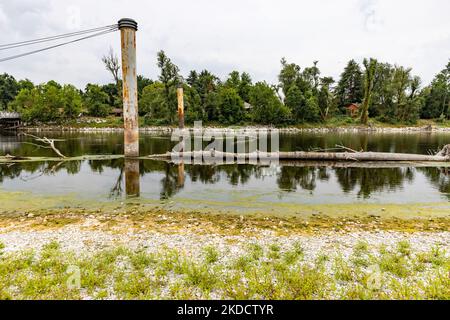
(77,238)
(168,130)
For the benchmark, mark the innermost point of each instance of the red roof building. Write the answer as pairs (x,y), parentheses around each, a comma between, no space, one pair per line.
(353,109)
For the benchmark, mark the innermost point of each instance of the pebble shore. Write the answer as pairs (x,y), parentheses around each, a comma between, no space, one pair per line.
(79,239)
(293,130)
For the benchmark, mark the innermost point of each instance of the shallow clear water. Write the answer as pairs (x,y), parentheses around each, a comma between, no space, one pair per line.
(113,179)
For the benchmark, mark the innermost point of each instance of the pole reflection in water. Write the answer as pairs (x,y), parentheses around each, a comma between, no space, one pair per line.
(181,175)
(132,178)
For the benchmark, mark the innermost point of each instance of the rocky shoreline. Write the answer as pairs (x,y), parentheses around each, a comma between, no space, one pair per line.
(293,130)
(154,265)
(82,238)
(162,255)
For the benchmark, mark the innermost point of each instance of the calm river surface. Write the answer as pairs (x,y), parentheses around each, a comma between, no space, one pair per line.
(105,180)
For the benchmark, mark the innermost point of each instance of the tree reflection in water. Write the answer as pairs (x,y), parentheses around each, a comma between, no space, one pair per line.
(371,180)
(305,177)
(439,177)
(364,181)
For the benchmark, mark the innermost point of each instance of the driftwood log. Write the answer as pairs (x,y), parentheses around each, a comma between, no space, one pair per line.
(347,155)
(14,159)
(347,158)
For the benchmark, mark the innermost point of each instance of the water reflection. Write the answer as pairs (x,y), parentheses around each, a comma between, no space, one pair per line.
(121,178)
(440,177)
(132,180)
(76,144)
(370,180)
(363,182)
(181,175)
(303,177)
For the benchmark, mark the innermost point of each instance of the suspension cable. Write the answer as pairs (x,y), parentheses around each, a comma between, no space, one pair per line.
(58,45)
(57,37)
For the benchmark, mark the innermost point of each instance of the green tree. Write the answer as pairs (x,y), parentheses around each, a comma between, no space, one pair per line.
(300,91)
(233,81)
(241,83)
(267,108)
(96,101)
(437,95)
(205,84)
(294,99)
(350,86)
(53,102)
(153,104)
(303,106)
(231,106)
(369,74)
(194,109)
(42,103)
(311,76)
(170,78)
(400,84)
(245,86)
(326,98)
(142,82)
(8,89)
(414,101)
(25,101)
(395,96)
(289,76)
(114,96)
(71,101)
(25,84)
(382,102)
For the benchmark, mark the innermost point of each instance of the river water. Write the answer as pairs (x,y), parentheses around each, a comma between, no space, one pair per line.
(111,180)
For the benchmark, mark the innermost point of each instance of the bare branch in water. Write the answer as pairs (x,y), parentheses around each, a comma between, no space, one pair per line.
(50,142)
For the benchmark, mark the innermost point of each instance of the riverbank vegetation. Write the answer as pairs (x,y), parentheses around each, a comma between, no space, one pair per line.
(134,252)
(369,93)
(273,271)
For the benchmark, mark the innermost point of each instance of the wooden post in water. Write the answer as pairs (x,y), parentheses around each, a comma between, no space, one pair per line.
(180,99)
(128,28)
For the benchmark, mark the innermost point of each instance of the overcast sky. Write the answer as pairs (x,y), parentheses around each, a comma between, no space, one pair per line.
(225,35)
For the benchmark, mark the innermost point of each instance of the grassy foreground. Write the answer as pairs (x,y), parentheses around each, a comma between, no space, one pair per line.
(272,272)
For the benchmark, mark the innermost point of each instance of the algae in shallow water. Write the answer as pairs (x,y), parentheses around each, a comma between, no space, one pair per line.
(27,201)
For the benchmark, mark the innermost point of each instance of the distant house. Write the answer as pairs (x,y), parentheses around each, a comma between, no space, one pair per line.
(353,109)
(9,120)
(118,112)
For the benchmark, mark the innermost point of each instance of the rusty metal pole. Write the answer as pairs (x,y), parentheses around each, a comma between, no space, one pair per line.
(128,28)
(180,98)
(180,106)
(181,127)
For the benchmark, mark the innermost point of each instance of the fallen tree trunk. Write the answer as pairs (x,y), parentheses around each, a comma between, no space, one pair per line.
(442,158)
(15,159)
(333,164)
(351,155)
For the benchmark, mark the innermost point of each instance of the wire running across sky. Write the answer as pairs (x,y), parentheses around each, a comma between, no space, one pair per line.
(98,32)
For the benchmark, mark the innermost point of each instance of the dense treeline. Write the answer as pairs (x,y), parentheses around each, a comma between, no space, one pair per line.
(375,90)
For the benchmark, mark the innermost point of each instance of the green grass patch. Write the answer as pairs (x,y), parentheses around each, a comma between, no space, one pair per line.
(259,272)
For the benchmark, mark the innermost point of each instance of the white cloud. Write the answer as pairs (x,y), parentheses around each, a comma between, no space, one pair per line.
(221,36)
